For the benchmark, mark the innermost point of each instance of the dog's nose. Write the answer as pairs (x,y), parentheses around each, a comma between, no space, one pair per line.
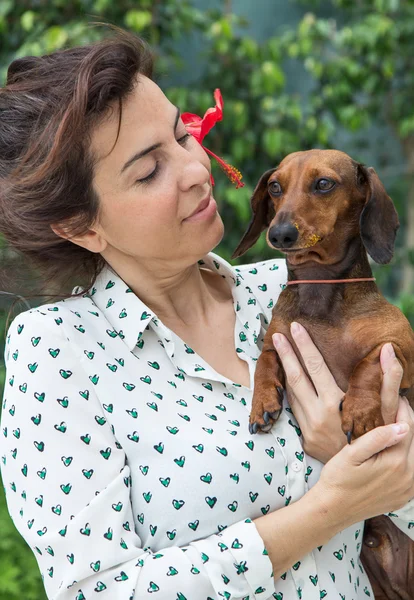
(283,235)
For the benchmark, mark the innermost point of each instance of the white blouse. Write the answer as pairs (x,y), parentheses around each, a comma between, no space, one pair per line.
(127,461)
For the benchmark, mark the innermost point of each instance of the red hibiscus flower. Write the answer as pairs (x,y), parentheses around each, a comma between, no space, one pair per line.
(199,128)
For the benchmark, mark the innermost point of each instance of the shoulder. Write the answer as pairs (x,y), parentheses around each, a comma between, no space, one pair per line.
(266,278)
(272,272)
(51,321)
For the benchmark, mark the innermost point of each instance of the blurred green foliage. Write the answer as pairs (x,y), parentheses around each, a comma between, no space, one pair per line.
(359,69)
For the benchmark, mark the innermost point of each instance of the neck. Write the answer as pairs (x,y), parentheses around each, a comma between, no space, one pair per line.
(319,300)
(166,288)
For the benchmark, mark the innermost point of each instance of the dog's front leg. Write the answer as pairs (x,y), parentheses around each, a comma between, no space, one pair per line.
(361,405)
(269,382)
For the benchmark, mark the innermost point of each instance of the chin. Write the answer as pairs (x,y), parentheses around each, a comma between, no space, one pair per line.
(216,234)
(209,242)
(300,258)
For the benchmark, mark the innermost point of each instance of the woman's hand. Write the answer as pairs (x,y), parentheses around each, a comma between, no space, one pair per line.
(372,476)
(315,403)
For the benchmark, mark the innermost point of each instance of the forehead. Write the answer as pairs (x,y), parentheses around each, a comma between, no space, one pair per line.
(312,163)
(145,112)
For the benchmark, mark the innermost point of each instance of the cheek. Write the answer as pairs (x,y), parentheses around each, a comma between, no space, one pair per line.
(143,217)
(144,212)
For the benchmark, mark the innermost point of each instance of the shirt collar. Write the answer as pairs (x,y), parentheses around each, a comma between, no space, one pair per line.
(129,316)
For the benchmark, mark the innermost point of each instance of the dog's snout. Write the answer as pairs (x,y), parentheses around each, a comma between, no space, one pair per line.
(283,235)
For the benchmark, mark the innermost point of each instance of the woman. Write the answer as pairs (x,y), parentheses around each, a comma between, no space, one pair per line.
(128,464)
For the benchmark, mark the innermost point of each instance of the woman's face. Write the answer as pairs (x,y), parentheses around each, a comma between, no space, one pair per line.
(153,185)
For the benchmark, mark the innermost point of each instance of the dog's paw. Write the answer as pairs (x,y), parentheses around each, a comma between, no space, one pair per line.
(266,407)
(360,415)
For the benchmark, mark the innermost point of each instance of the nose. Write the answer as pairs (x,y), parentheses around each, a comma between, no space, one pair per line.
(193,168)
(283,235)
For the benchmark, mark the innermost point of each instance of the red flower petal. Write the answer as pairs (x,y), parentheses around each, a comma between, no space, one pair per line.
(212,115)
(199,128)
(192,124)
(219,99)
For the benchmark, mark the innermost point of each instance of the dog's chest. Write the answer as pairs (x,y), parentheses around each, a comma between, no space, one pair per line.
(349,333)
(340,351)
(347,343)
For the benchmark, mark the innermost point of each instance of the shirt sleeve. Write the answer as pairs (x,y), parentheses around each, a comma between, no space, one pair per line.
(67,486)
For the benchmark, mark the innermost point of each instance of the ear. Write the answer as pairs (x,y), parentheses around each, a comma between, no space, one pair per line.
(379,220)
(263,213)
(91,240)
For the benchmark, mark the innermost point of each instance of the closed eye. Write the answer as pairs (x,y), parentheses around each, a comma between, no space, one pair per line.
(149,177)
(184,138)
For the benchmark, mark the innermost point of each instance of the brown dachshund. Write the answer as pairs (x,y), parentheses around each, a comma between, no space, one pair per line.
(325,212)
(388,560)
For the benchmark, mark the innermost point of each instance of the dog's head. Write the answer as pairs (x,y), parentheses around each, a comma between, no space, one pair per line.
(315,202)
(388,558)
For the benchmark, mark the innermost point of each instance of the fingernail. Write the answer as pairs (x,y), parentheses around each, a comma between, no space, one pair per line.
(400,428)
(277,340)
(295,328)
(390,350)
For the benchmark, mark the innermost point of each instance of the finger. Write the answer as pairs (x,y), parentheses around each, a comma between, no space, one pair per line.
(390,387)
(405,412)
(295,375)
(318,371)
(376,440)
(406,415)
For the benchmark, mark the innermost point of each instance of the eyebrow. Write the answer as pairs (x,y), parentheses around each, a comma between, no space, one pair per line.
(139,155)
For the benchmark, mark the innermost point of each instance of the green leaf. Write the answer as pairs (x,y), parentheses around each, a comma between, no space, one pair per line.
(55,37)
(6,7)
(137,20)
(279,142)
(27,20)
(352,116)
(273,141)
(273,77)
(239,114)
(249,48)
(406,126)
(240,201)
(221,28)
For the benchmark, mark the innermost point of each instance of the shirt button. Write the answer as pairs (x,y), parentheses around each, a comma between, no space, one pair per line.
(296,466)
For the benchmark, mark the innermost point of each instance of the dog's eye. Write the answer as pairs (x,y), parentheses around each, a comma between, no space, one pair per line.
(324,185)
(275,188)
(372,541)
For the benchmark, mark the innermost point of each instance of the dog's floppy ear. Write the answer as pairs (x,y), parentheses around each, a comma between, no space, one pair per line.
(379,220)
(263,213)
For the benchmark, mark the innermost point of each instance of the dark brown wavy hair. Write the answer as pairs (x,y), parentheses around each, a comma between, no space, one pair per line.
(48,108)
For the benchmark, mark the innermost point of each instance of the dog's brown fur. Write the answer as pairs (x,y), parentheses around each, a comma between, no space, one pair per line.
(388,560)
(349,322)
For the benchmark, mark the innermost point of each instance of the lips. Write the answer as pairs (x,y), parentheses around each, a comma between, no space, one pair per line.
(203,204)
(304,249)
